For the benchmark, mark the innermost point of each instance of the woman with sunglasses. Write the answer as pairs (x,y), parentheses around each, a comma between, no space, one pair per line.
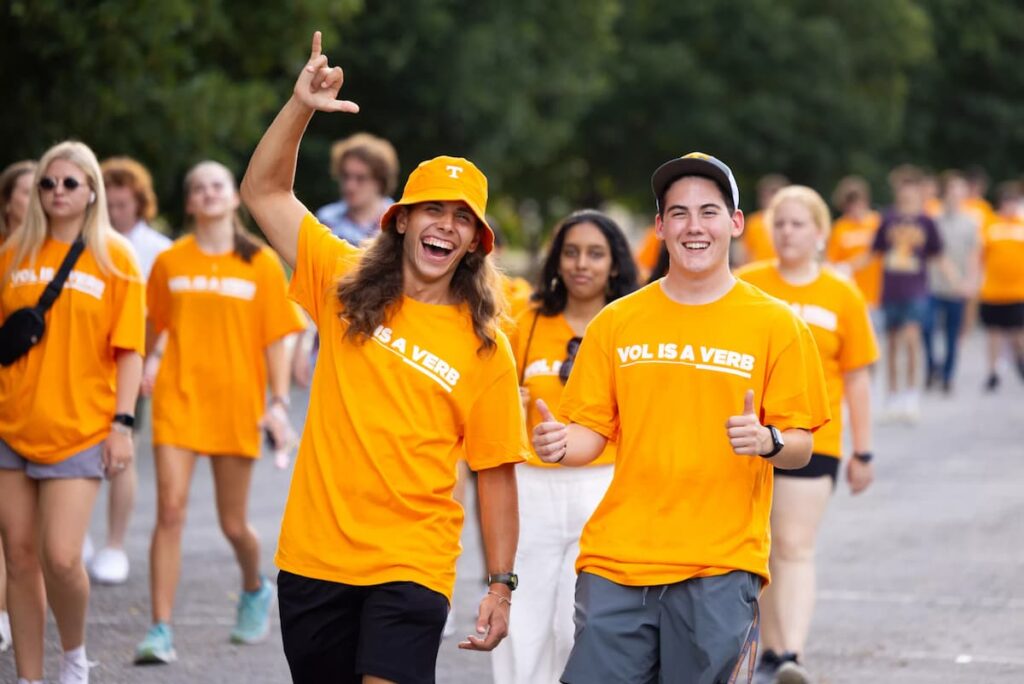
(66,405)
(588,265)
(837,315)
(221,297)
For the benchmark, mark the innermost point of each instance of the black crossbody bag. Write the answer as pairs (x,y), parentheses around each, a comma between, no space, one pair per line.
(24,328)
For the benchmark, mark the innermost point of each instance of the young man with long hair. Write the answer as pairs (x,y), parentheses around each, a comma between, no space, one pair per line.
(413,375)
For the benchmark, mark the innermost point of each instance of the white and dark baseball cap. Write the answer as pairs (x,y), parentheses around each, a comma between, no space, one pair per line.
(695,164)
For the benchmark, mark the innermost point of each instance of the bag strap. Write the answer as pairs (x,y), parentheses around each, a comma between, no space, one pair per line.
(55,286)
(529,341)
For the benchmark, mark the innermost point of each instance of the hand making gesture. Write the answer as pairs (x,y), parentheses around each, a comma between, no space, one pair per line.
(318,85)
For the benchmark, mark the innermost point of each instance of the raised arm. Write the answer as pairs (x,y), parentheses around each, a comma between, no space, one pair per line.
(268,186)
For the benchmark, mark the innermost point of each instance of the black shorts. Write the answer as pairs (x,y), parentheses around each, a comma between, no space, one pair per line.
(819,466)
(335,633)
(1002,316)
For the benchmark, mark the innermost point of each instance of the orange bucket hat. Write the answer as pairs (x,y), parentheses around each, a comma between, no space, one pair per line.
(446,179)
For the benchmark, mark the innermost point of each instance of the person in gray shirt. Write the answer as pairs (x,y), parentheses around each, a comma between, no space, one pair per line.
(960,234)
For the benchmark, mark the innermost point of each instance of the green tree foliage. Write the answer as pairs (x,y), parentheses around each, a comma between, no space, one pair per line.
(554,99)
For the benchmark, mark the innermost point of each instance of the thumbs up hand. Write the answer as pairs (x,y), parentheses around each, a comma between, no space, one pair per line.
(746,434)
(550,437)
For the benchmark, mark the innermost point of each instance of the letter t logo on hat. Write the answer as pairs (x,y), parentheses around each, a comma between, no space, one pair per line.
(454,171)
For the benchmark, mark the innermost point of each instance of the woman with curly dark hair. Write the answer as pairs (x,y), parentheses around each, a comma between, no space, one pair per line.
(413,375)
(588,265)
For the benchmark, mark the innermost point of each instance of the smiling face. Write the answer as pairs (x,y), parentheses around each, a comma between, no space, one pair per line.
(796,234)
(696,226)
(585,263)
(211,193)
(60,202)
(436,237)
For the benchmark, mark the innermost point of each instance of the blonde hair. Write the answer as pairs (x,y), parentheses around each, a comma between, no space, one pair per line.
(8,180)
(125,172)
(96,229)
(810,199)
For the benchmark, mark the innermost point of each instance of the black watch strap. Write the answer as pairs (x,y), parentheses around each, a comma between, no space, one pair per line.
(864,456)
(509,579)
(125,419)
(777,441)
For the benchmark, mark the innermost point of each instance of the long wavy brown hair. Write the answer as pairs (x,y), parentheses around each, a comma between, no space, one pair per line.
(372,292)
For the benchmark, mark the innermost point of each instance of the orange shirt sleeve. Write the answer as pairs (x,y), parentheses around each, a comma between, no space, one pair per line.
(589,397)
(322,259)
(794,393)
(495,431)
(128,329)
(158,295)
(859,346)
(279,315)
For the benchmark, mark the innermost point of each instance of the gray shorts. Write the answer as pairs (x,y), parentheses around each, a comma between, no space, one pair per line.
(87,463)
(691,632)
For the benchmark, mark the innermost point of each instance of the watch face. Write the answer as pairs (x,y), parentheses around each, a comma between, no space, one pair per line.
(513,581)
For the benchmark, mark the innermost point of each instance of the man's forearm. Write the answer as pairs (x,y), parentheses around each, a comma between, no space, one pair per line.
(499,516)
(797,451)
(583,445)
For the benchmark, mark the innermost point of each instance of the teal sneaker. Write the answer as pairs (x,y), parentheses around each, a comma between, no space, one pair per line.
(252,625)
(158,646)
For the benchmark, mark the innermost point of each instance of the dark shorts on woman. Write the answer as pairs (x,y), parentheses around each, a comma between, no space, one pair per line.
(899,314)
(335,633)
(1002,316)
(820,465)
(87,463)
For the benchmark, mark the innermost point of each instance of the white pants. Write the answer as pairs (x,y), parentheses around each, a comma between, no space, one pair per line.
(554,505)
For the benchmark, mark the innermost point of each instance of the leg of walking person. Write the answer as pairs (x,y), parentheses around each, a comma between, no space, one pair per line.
(174,468)
(954,318)
(994,339)
(787,604)
(26,597)
(232,476)
(911,335)
(65,507)
(935,311)
(5,619)
(110,565)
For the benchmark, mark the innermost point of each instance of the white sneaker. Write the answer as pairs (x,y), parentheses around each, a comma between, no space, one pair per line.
(893,408)
(74,669)
(87,550)
(109,566)
(911,406)
(5,631)
(449,624)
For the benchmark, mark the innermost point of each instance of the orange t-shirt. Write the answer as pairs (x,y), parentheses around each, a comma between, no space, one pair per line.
(60,397)
(1002,259)
(517,293)
(663,378)
(851,238)
(757,238)
(539,359)
(648,252)
(980,210)
(837,315)
(389,418)
(220,314)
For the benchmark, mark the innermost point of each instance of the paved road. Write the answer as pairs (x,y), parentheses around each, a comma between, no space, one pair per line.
(919,579)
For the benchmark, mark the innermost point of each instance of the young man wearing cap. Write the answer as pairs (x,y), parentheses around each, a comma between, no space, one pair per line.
(706,383)
(413,375)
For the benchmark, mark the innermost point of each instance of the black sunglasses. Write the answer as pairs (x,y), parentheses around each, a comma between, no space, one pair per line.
(570,357)
(47,183)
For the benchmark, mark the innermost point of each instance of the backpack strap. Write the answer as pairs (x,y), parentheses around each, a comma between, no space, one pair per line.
(55,286)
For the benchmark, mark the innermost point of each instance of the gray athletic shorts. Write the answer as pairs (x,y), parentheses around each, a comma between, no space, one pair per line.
(691,632)
(87,463)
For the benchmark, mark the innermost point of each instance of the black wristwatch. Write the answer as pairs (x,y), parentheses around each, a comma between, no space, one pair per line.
(864,456)
(777,441)
(509,579)
(126,419)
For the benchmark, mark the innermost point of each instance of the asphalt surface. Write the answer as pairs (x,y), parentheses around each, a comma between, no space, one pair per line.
(919,578)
